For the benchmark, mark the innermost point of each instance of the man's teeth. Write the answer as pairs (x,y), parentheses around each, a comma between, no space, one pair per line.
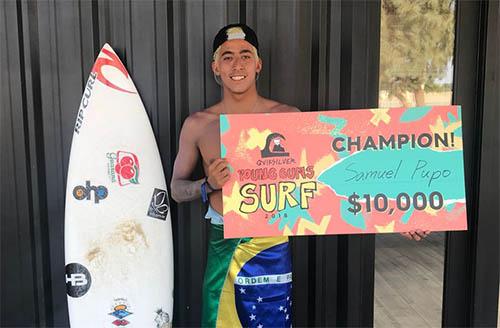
(237,78)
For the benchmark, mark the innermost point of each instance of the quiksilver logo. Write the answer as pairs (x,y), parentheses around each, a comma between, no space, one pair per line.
(273,147)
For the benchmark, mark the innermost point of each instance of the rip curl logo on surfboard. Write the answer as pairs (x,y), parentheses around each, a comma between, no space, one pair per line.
(87,94)
(120,309)
(109,59)
(123,167)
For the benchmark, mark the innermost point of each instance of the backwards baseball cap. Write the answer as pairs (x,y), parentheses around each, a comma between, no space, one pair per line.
(235,32)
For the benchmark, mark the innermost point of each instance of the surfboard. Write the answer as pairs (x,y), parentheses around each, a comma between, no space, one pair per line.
(118,234)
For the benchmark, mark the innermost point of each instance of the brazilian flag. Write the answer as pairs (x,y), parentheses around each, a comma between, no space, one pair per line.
(248,282)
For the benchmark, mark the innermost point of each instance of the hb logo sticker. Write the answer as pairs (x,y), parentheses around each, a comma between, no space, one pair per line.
(78,280)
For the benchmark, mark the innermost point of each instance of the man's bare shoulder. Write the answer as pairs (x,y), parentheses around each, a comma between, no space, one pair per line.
(196,122)
(199,119)
(272,106)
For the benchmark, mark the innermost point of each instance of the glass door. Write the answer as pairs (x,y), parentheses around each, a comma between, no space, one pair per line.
(416,69)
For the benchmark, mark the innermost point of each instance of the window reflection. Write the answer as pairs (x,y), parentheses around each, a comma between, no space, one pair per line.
(416,50)
(416,69)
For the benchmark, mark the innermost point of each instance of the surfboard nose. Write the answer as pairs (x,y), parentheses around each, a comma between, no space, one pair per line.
(107,48)
(119,82)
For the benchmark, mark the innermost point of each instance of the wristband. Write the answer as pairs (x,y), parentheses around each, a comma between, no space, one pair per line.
(204,196)
(209,185)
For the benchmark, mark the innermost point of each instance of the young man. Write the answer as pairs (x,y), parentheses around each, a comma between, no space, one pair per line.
(233,295)
(231,298)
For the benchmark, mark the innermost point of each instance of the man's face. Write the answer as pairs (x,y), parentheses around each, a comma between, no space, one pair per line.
(237,65)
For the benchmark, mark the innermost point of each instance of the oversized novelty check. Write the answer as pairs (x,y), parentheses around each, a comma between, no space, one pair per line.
(344,172)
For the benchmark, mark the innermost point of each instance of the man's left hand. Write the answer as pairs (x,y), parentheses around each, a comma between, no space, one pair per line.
(416,235)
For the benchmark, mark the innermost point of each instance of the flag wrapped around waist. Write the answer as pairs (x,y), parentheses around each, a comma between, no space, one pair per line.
(248,282)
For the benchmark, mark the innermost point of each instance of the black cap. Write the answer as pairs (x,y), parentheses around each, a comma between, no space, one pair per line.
(235,31)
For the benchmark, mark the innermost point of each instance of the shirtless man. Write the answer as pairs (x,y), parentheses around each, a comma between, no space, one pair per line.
(236,65)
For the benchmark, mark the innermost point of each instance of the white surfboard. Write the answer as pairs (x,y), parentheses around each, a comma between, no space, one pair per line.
(118,235)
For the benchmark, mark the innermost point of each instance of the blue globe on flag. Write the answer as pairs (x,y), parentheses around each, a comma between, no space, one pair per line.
(263,289)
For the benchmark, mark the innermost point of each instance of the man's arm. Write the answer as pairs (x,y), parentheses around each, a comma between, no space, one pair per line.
(183,189)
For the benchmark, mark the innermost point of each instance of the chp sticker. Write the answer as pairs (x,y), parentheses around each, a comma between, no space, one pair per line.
(78,280)
(158,207)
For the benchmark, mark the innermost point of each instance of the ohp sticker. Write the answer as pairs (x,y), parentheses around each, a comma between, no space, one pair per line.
(85,192)
(78,280)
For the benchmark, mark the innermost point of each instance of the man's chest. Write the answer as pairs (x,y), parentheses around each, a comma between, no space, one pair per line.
(209,141)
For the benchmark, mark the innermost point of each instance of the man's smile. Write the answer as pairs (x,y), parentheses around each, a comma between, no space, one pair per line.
(237,77)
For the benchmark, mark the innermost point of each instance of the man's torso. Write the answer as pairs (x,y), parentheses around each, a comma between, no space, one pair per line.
(208,136)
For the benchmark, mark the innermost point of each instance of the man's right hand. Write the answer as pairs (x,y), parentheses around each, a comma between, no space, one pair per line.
(218,173)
